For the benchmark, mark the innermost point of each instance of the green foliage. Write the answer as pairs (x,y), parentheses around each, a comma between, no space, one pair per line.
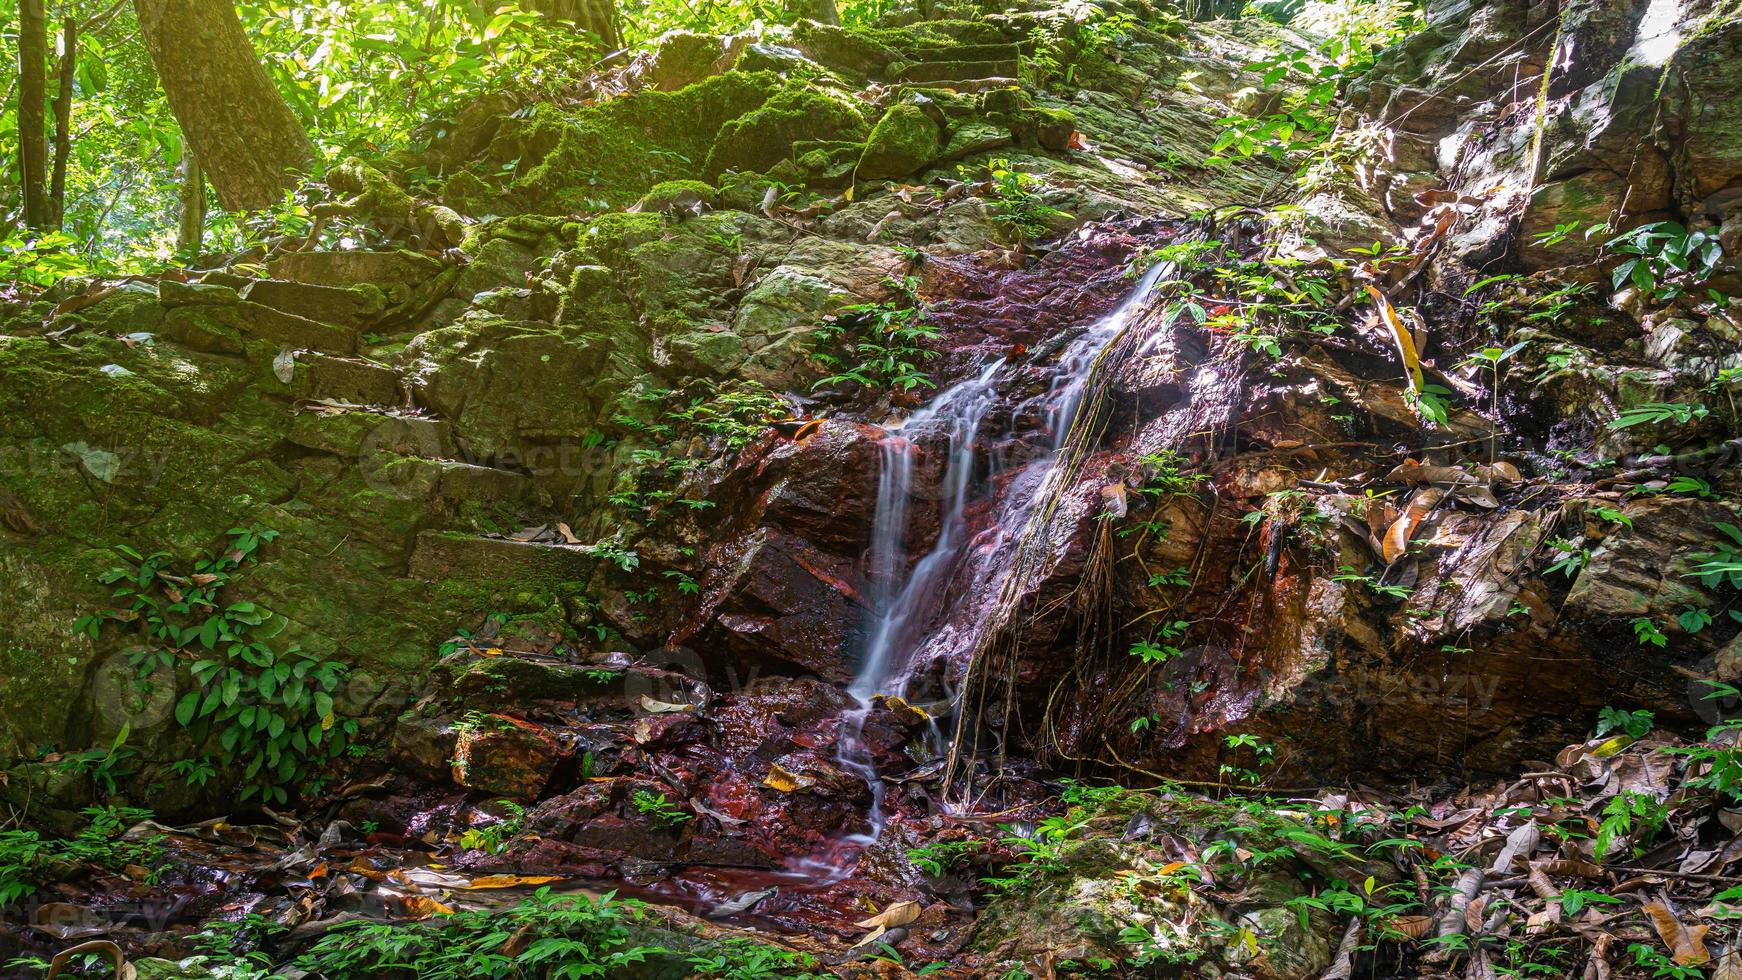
(1017,202)
(571,936)
(1664,257)
(40,260)
(743,959)
(1652,413)
(1631,818)
(938,858)
(887,342)
(1723,565)
(269,711)
(494,837)
(29,861)
(1633,724)
(656,807)
(1058,47)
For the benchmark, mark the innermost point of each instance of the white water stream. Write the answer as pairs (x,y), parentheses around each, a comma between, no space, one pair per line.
(907,598)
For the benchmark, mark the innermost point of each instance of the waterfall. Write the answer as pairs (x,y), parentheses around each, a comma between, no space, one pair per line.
(906,599)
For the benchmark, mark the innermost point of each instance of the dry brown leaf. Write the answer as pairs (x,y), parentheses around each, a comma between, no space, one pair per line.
(1396,543)
(1413,926)
(423,907)
(1686,944)
(568,534)
(1729,965)
(653,707)
(899,914)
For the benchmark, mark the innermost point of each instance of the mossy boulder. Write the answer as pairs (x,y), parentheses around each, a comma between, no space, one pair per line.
(678,196)
(763,138)
(608,155)
(905,141)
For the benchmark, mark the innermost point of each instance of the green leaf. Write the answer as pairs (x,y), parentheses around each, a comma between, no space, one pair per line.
(185,708)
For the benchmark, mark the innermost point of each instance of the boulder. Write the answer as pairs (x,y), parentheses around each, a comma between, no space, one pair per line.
(905,141)
(504,756)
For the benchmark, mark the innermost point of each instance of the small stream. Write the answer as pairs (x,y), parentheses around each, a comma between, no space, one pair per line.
(917,609)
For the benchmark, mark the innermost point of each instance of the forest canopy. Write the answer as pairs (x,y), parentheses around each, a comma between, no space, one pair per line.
(361,78)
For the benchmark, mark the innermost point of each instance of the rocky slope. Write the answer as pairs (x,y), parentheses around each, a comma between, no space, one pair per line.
(566,470)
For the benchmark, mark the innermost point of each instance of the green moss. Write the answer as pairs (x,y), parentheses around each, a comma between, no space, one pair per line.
(609,237)
(763,138)
(610,154)
(671,194)
(904,141)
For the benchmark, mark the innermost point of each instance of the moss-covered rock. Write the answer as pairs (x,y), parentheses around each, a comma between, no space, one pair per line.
(765,137)
(610,154)
(678,196)
(905,141)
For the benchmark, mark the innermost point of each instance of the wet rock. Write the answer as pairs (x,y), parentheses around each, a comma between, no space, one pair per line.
(1642,570)
(773,599)
(505,756)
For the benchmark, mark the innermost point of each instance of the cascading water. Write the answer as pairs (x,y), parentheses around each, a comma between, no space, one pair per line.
(908,599)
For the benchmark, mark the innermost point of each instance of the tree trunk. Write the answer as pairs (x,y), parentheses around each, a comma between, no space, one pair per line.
(32,110)
(63,119)
(191,233)
(598,16)
(821,11)
(251,146)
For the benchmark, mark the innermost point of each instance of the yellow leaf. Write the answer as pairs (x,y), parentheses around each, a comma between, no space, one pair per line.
(1397,537)
(422,906)
(1401,336)
(491,651)
(509,881)
(781,780)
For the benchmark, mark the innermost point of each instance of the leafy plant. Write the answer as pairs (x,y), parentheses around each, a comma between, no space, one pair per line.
(1665,257)
(888,347)
(1653,413)
(269,711)
(1633,724)
(494,837)
(1631,818)
(28,860)
(1017,203)
(655,806)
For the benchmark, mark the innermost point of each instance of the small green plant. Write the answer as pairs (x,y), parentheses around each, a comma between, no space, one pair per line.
(1572,558)
(1664,257)
(744,959)
(1017,203)
(888,345)
(1646,633)
(938,858)
(568,937)
(269,711)
(1633,724)
(1348,573)
(1652,413)
(1263,754)
(102,766)
(28,860)
(657,808)
(1630,818)
(494,837)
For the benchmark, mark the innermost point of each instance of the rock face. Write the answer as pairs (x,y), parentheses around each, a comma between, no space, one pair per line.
(588,503)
